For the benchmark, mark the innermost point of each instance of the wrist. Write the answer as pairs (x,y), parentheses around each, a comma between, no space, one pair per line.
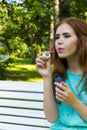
(75,103)
(47,82)
(47,79)
(49,76)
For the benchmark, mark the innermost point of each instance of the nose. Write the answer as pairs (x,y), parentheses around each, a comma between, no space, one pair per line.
(60,40)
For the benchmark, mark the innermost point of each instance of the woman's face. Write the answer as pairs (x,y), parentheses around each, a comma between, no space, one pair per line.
(65,41)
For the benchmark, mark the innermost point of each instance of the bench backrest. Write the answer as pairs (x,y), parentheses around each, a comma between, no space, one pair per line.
(21,106)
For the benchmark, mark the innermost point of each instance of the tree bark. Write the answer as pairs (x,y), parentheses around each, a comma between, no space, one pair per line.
(54,19)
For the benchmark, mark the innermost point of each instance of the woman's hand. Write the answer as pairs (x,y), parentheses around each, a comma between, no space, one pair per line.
(43,66)
(65,94)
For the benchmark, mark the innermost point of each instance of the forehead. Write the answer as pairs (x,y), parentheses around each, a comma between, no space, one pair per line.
(64,28)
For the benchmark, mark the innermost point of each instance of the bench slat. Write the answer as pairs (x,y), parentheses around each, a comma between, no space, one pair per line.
(21,95)
(21,86)
(21,104)
(22,112)
(16,127)
(24,121)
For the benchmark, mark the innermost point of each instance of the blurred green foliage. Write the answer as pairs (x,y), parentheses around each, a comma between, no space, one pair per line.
(25,29)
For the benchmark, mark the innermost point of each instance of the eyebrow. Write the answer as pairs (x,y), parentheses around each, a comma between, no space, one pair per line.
(63,34)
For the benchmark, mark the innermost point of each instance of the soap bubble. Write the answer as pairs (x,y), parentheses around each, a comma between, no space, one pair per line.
(4,52)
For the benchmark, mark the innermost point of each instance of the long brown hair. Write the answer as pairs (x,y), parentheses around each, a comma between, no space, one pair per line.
(60,65)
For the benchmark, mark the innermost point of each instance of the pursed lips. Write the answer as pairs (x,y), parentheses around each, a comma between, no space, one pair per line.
(60,49)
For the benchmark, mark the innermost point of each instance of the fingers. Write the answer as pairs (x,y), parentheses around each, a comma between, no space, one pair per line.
(59,95)
(61,85)
(62,91)
(40,62)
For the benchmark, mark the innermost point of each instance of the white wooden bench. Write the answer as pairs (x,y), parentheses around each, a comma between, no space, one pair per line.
(21,106)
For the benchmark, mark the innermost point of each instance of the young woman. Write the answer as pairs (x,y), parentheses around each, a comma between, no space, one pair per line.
(65,103)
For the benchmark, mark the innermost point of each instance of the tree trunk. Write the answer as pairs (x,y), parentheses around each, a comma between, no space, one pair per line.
(54,19)
(56,10)
(34,55)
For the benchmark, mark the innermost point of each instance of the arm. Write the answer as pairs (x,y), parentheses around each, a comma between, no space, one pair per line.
(68,97)
(50,107)
(80,108)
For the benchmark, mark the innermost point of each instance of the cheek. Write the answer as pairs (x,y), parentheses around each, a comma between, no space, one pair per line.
(72,46)
(72,50)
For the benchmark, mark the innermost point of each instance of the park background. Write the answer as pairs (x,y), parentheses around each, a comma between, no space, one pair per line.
(27,29)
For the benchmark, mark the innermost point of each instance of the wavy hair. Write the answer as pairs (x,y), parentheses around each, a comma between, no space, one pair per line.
(60,65)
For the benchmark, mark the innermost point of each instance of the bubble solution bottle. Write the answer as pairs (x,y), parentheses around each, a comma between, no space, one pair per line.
(59,80)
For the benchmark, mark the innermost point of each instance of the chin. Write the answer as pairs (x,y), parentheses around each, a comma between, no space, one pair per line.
(62,56)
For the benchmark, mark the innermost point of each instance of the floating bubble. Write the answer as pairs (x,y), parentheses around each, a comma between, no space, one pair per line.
(4,52)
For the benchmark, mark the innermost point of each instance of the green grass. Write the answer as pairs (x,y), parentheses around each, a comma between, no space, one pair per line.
(23,70)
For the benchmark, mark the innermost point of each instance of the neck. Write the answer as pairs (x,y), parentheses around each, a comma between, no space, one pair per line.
(74,66)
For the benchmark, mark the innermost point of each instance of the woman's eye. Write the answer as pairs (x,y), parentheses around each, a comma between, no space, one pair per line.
(57,37)
(66,36)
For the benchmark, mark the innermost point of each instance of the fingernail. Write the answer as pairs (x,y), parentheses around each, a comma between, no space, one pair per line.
(60,88)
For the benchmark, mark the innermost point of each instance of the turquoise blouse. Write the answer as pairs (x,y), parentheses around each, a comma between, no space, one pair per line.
(69,118)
